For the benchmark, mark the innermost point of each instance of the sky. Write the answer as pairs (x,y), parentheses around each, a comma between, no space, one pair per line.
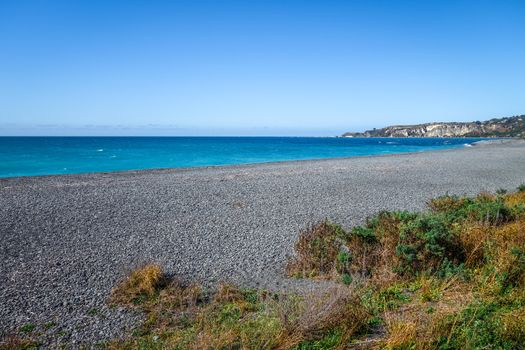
(255,67)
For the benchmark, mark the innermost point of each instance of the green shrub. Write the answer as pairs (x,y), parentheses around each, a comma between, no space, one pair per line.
(344,260)
(489,211)
(391,298)
(452,277)
(27,328)
(365,233)
(448,270)
(346,278)
(317,250)
(425,242)
(484,208)
(482,325)
(501,191)
(515,272)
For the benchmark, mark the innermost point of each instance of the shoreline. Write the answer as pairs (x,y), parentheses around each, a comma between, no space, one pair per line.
(483,143)
(67,239)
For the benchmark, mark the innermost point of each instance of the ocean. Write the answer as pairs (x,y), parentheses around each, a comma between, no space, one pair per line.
(29,156)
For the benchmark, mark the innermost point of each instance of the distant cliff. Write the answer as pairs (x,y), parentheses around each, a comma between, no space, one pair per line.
(500,127)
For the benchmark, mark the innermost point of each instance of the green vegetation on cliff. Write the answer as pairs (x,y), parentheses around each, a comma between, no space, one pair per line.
(497,127)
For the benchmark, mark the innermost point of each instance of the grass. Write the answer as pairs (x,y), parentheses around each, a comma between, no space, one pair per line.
(320,252)
(142,284)
(49,325)
(18,343)
(27,328)
(450,277)
(92,312)
(186,317)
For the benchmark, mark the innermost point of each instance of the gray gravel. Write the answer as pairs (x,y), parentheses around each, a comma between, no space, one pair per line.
(66,240)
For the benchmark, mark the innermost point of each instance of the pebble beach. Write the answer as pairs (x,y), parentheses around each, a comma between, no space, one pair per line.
(67,240)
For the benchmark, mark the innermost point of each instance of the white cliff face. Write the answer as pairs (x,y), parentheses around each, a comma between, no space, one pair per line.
(451,130)
(433,130)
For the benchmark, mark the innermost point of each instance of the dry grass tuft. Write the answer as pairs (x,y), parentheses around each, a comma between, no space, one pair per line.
(174,295)
(512,325)
(473,239)
(419,322)
(14,342)
(401,335)
(508,252)
(319,312)
(141,284)
(445,203)
(514,199)
(181,317)
(227,293)
(316,251)
(336,307)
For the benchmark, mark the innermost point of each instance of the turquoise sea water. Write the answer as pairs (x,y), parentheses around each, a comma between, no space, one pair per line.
(26,156)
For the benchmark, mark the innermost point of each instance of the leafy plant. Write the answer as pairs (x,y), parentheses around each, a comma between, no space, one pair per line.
(452,277)
(27,328)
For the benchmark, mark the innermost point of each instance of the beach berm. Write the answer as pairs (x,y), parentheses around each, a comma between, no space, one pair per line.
(68,240)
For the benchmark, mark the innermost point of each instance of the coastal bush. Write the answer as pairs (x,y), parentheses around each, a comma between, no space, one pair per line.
(452,277)
(484,209)
(319,251)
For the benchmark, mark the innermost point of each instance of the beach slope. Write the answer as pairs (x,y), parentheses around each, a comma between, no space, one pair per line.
(66,240)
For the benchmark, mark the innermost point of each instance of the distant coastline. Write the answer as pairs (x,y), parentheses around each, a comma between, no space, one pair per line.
(497,127)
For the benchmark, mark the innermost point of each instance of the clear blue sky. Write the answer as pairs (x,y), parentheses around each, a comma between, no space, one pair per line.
(256,67)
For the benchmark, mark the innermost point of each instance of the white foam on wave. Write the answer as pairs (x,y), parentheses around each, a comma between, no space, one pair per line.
(100,150)
(467,145)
